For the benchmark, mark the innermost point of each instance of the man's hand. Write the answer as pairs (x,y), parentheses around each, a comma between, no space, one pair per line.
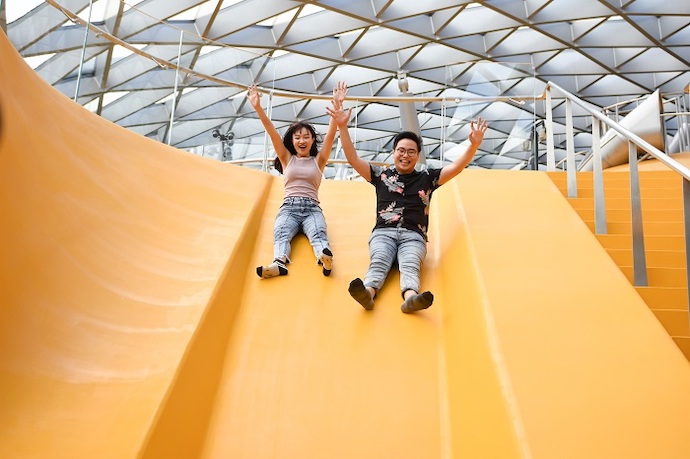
(478,129)
(340,116)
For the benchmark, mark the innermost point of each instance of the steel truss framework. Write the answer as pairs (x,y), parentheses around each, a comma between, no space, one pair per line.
(451,54)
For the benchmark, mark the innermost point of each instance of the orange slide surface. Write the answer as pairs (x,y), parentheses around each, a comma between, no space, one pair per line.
(133,324)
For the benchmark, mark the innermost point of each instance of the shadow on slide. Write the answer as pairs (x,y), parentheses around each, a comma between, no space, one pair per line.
(133,325)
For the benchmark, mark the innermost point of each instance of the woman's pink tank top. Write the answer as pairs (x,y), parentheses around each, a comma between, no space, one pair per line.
(302,177)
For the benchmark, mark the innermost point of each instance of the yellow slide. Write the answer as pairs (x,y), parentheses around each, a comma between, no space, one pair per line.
(133,325)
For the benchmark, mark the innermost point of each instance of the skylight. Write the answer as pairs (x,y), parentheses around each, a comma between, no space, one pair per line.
(209,49)
(97,12)
(112,96)
(35,61)
(131,3)
(16,9)
(120,52)
(289,15)
(187,15)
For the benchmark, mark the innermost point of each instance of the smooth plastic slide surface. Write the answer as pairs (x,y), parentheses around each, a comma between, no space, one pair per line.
(133,324)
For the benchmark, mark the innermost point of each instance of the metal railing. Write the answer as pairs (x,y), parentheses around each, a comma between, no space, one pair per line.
(635,145)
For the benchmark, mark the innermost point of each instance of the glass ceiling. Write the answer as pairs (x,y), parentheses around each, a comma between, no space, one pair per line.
(176,70)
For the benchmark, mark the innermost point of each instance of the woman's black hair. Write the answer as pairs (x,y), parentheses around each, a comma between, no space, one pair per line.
(287,141)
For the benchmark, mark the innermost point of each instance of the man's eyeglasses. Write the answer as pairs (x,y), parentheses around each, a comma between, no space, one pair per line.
(402,152)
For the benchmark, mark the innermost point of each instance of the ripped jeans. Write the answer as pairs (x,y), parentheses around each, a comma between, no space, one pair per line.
(299,214)
(388,244)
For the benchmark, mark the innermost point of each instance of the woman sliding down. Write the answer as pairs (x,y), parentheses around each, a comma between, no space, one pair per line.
(302,163)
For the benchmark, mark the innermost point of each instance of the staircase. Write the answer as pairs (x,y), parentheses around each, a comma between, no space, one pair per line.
(662,210)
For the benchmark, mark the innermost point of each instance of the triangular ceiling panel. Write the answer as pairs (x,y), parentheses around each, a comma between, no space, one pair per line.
(662,61)
(612,57)
(319,25)
(397,9)
(391,62)
(434,53)
(442,18)
(585,81)
(473,21)
(526,41)
(569,10)
(655,7)
(365,10)
(420,24)
(603,87)
(681,38)
(583,27)
(326,48)
(475,45)
(378,41)
(652,80)
(683,52)
(573,62)
(562,31)
(614,32)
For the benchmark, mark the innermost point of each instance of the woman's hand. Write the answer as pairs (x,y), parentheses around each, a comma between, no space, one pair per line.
(254,97)
(339,93)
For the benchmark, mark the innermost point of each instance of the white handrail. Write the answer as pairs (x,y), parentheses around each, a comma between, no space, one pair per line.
(634,138)
(634,142)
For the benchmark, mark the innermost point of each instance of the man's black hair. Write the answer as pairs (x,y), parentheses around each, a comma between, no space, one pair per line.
(407,135)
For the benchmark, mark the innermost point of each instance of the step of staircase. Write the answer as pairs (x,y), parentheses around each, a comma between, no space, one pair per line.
(624,193)
(675,321)
(664,297)
(624,215)
(654,258)
(683,344)
(652,228)
(651,242)
(670,306)
(664,238)
(618,179)
(660,277)
(660,203)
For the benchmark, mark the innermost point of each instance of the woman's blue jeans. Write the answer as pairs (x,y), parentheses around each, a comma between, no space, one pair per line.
(299,214)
